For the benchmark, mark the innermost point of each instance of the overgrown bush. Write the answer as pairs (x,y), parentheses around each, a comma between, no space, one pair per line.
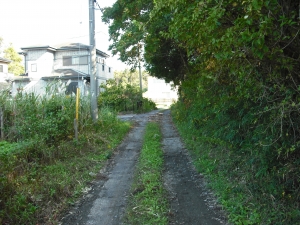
(42,167)
(124,98)
(240,96)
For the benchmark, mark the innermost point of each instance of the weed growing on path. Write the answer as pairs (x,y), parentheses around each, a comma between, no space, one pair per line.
(148,203)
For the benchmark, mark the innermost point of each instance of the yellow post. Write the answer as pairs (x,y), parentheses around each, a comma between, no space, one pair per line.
(76,119)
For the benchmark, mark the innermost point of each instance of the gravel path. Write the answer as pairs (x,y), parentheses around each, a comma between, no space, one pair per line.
(105,201)
(191,203)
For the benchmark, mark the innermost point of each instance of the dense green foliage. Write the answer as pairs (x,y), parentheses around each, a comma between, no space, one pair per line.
(130,29)
(148,203)
(237,66)
(15,67)
(46,118)
(130,77)
(42,167)
(124,97)
(125,31)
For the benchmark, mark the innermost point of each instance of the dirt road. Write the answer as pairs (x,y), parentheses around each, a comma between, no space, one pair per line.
(191,203)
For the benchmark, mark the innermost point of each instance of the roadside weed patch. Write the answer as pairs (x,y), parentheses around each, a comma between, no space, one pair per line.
(39,179)
(148,202)
(248,193)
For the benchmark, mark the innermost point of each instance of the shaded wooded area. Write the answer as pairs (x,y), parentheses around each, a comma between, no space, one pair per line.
(237,66)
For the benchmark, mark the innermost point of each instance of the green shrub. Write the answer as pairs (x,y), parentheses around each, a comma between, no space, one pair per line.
(42,168)
(124,98)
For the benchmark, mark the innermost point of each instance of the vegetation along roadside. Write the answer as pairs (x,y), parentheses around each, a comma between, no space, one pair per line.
(43,169)
(246,190)
(148,203)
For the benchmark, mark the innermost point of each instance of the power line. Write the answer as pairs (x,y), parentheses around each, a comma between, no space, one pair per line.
(101,9)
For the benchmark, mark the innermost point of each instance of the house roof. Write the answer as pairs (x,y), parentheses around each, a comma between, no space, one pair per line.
(3,60)
(39,47)
(64,47)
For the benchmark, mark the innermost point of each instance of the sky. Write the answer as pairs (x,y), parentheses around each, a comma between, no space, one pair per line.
(47,22)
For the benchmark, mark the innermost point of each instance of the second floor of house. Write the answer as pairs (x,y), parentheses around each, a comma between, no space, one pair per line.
(43,61)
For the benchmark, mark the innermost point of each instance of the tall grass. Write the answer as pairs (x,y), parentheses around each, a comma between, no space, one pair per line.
(249,193)
(148,203)
(43,169)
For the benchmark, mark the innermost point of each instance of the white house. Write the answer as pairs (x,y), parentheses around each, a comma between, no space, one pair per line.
(67,62)
(162,93)
(4,74)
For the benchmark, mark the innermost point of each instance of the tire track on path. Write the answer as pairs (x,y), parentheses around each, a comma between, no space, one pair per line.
(106,201)
(190,201)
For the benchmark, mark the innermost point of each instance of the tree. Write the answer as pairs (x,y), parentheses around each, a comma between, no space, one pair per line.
(126,19)
(131,77)
(15,67)
(131,27)
(164,57)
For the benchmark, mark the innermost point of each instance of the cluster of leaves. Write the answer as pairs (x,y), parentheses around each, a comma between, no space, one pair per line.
(131,77)
(135,34)
(122,98)
(15,66)
(237,63)
(244,79)
(40,160)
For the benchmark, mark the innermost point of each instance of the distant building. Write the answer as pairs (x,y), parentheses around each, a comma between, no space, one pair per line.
(68,63)
(162,93)
(5,76)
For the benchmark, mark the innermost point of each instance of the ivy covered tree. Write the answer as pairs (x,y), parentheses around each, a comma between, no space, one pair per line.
(15,67)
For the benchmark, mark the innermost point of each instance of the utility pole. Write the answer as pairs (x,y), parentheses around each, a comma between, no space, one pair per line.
(92,65)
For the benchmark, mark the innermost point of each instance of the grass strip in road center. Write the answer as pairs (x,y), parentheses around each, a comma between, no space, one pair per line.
(148,203)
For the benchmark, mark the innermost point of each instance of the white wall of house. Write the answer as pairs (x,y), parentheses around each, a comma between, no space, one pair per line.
(39,63)
(42,62)
(58,61)
(4,74)
(38,87)
(3,67)
(18,85)
(104,71)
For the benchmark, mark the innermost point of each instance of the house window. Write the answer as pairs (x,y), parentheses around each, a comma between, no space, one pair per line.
(33,67)
(67,60)
(83,60)
(1,68)
(75,60)
(102,67)
(109,69)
